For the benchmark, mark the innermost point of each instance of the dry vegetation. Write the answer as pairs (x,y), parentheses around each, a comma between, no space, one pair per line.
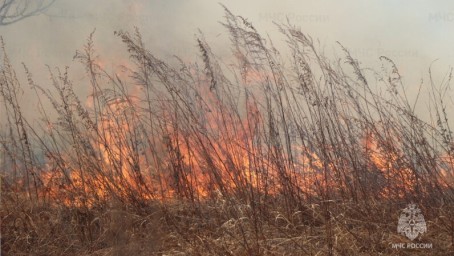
(266,156)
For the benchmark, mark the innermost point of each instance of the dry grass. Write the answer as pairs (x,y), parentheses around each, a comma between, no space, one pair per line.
(267,156)
(216,228)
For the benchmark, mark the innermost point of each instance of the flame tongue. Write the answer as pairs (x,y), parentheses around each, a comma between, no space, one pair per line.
(206,147)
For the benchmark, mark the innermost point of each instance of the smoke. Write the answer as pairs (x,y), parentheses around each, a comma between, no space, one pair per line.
(412,35)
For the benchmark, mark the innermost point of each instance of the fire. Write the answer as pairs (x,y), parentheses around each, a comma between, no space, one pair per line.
(220,155)
(209,148)
(398,180)
(446,178)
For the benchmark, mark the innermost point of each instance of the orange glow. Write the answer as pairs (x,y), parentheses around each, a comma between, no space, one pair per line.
(219,152)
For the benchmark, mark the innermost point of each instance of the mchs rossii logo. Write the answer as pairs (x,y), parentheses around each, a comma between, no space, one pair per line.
(411,224)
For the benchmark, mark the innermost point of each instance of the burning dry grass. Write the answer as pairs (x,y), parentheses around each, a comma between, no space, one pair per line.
(263,157)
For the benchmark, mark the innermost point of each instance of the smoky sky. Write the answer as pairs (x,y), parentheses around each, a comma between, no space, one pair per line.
(415,34)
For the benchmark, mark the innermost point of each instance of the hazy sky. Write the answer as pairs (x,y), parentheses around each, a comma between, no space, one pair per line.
(412,33)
